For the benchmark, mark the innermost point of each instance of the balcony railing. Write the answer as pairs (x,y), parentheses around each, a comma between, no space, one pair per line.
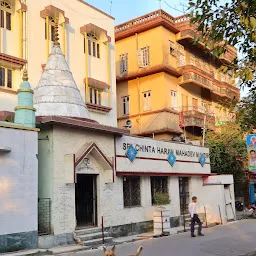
(145,19)
(193,77)
(198,116)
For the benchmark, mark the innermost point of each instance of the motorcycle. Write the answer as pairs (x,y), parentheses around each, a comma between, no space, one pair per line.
(239,206)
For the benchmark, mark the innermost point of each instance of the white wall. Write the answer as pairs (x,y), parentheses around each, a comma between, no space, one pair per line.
(18,181)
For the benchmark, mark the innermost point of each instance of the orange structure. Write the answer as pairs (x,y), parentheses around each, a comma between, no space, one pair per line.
(165,82)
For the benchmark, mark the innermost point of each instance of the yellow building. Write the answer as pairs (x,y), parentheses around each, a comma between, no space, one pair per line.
(166,83)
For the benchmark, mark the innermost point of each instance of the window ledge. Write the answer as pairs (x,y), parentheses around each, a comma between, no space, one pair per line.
(11,60)
(99,108)
(8,90)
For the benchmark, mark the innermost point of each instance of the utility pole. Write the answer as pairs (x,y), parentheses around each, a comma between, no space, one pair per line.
(204,129)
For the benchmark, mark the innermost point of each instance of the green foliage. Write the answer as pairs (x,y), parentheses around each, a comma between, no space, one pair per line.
(246,114)
(162,198)
(227,151)
(234,22)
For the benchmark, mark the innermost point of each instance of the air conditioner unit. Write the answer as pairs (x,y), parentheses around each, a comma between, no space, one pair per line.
(128,124)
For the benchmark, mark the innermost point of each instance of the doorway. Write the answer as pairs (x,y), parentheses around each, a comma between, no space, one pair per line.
(184,194)
(86,200)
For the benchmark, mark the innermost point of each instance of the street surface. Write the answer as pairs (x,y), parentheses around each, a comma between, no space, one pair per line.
(234,239)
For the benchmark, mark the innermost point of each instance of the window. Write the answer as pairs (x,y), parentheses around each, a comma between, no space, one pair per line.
(9,78)
(172,47)
(147,101)
(5,77)
(95,96)
(173,100)
(143,57)
(195,104)
(131,190)
(6,16)
(126,105)
(93,45)
(184,194)
(123,63)
(158,185)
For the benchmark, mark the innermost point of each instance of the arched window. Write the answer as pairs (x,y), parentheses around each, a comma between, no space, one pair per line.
(5,15)
(93,45)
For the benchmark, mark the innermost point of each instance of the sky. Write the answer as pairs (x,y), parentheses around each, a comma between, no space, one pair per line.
(123,11)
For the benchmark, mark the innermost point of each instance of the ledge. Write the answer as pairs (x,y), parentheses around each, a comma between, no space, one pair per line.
(149,71)
(19,127)
(5,149)
(14,61)
(98,108)
(97,83)
(8,90)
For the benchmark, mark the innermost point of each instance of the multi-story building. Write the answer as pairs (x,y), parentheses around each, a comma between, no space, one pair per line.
(86,38)
(165,82)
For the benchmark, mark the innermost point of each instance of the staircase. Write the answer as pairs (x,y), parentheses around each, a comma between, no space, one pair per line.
(93,236)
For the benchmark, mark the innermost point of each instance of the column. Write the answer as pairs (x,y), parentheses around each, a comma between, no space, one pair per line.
(108,70)
(47,37)
(21,34)
(86,69)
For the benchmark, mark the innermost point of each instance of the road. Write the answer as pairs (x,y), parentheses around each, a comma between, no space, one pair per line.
(234,239)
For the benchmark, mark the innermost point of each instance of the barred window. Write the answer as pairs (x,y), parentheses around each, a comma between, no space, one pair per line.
(158,185)
(131,189)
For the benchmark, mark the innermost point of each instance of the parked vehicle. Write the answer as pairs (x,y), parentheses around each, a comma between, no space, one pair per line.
(239,206)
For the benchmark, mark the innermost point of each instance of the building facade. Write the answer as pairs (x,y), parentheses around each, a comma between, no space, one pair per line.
(87,41)
(165,81)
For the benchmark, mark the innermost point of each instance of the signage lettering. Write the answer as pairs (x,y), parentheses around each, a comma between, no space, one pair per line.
(164,151)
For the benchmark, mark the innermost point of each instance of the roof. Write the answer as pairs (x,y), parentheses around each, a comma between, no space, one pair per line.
(57,93)
(84,124)
(81,1)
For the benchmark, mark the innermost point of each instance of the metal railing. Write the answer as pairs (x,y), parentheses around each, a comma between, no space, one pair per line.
(44,216)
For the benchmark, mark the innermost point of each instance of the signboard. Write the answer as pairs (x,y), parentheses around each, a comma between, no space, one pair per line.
(135,154)
(251,149)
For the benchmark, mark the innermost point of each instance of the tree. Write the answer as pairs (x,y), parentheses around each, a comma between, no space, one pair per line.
(233,23)
(246,112)
(228,151)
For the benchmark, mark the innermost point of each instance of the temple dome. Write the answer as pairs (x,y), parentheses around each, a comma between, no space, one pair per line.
(57,93)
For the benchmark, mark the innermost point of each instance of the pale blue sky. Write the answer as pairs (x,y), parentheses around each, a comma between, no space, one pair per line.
(123,11)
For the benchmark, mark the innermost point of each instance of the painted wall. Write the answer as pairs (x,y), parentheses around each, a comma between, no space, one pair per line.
(161,84)
(18,187)
(79,14)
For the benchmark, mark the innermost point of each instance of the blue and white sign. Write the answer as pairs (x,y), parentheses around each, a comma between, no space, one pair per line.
(202,160)
(171,159)
(131,153)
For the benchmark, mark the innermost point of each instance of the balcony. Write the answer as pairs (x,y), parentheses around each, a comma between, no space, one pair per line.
(195,75)
(194,116)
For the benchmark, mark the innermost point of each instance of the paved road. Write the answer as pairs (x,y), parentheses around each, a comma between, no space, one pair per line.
(234,239)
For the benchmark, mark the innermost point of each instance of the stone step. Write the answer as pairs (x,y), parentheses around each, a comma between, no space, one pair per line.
(86,231)
(92,236)
(98,241)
